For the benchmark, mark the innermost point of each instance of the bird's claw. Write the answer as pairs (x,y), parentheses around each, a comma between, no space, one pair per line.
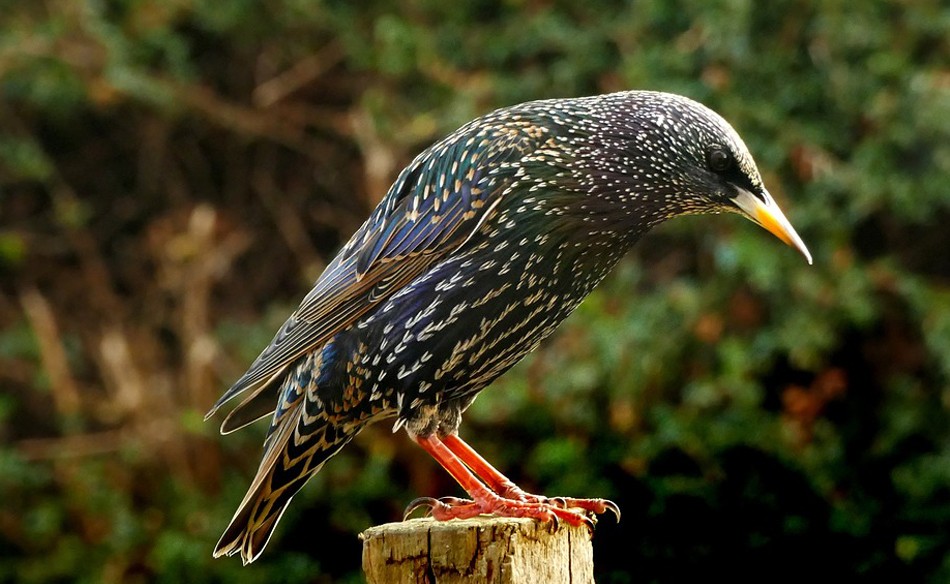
(613,508)
(428,502)
(571,517)
(590,523)
(555,523)
(593,507)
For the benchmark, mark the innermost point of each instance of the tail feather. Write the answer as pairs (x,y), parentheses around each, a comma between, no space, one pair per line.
(280,476)
(253,524)
(245,537)
(302,437)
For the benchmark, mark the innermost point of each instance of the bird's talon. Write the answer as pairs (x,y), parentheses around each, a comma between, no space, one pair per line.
(428,502)
(613,508)
(590,524)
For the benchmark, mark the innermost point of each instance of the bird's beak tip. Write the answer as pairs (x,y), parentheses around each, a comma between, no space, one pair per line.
(768,214)
(807,256)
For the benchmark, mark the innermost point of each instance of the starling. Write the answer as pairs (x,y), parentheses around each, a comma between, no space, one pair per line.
(483,245)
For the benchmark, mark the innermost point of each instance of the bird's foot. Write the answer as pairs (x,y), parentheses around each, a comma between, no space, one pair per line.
(512,492)
(493,494)
(574,512)
(591,506)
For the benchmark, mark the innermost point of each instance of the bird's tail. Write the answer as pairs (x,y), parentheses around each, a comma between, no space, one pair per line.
(251,527)
(289,461)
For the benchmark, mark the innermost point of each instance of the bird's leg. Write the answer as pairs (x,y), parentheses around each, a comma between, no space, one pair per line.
(485,500)
(492,477)
(507,489)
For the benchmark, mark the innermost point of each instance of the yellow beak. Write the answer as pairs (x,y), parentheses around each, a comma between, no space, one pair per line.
(767,214)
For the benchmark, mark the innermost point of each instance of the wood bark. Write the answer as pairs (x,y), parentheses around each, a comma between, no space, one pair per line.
(495,550)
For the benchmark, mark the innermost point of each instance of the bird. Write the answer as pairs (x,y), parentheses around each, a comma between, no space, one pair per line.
(482,246)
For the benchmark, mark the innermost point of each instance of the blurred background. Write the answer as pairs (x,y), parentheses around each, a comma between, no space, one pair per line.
(174,174)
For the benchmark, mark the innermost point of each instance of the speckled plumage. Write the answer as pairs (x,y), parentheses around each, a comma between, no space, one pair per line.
(483,245)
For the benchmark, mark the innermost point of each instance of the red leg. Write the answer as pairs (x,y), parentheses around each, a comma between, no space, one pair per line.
(482,468)
(485,502)
(474,487)
(513,503)
(507,489)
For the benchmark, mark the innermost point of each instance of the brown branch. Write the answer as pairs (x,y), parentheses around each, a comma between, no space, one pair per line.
(74,446)
(290,224)
(303,72)
(120,370)
(62,385)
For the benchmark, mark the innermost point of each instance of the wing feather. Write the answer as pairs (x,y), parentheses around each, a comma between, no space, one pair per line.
(434,206)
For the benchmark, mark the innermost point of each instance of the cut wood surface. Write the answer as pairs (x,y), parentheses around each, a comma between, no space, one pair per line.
(494,550)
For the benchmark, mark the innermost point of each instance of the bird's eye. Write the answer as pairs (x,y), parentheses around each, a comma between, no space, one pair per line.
(719,160)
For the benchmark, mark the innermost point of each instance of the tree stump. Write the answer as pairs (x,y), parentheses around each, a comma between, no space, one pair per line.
(495,550)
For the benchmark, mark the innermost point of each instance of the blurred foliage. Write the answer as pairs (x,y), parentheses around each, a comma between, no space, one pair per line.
(173,174)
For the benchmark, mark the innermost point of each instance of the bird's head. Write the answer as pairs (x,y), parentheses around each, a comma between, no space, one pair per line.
(676,157)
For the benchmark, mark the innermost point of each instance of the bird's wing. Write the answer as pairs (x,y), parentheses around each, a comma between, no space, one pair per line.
(436,203)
